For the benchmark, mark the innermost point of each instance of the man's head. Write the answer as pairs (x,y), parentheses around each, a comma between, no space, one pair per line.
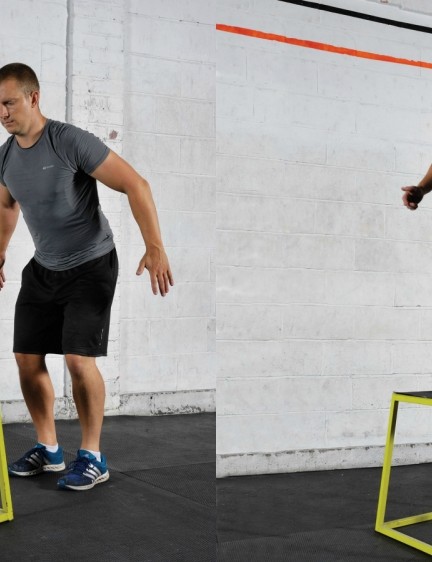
(23,74)
(19,98)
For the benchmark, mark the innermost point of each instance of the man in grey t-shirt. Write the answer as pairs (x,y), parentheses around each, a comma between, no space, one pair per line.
(58,197)
(49,170)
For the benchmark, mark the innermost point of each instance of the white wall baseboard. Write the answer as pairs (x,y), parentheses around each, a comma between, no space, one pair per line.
(145,404)
(318,459)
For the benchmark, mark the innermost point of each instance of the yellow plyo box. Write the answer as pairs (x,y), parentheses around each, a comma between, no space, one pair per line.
(6,513)
(382,526)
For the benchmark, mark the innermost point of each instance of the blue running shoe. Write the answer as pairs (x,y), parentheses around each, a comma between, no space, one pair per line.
(37,460)
(84,472)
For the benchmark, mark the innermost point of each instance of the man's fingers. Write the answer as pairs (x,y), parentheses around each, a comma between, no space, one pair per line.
(170,277)
(411,197)
(141,267)
(154,283)
(160,274)
(163,289)
(153,276)
(166,283)
(161,283)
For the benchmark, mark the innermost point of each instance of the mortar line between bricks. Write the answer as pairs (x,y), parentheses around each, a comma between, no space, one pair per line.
(315,164)
(335,234)
(305,163)
(169,59)
(303,268)
(235,303)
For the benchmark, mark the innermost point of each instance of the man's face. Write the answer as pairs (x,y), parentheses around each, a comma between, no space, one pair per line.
(16,107)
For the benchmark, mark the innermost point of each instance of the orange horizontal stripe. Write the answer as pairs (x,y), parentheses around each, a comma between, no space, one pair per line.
(320,46)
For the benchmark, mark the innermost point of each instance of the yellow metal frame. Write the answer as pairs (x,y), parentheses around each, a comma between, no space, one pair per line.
(6,513)
(389,527)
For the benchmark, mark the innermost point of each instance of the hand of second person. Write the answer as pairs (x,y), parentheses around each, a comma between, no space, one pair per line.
(412,196)
(156,261)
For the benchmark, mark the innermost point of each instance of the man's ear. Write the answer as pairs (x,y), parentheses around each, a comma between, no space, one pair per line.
(35,96)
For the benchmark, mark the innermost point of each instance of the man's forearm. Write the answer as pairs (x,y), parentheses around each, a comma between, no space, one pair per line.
(8,221)
(117,174)
(426,182)
(145,214)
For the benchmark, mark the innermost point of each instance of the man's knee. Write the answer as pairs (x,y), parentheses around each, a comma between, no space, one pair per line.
(79,365)
(30,364)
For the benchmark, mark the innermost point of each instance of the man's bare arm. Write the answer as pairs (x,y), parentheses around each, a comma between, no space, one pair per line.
(117,174)
(9,212)
(413,194)
(426,183)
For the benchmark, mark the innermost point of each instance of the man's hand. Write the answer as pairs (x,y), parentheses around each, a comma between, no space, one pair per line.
(412,196)
(2,275)
(156,261)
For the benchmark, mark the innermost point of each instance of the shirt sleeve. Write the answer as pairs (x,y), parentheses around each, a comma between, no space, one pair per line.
(4,149)
(84,150)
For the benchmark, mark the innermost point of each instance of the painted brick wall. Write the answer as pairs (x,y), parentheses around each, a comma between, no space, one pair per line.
(95,103)
(168,345)
(423,6)
(323,278)
(109,68)
(36,35)
(322,284)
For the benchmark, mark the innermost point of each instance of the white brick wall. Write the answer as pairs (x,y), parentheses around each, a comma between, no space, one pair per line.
(95,103)
(422,6)
(27,41)
(170,138)
(141,76)
(323,300)
(322,296)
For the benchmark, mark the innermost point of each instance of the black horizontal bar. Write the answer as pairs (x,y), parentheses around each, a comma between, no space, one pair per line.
(352,14)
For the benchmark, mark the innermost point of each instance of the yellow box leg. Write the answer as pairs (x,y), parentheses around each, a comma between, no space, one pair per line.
(388,455)
(6,513)
(388,528)
(406,539)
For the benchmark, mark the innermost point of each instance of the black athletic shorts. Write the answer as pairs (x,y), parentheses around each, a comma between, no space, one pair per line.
(66,311)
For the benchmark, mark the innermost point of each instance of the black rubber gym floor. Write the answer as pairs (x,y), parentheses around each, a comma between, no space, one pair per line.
(324,516)
(158,505)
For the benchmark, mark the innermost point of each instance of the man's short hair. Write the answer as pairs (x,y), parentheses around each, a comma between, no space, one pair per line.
(23,74)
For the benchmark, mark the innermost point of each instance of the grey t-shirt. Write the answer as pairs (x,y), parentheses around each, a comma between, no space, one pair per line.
(58,198)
